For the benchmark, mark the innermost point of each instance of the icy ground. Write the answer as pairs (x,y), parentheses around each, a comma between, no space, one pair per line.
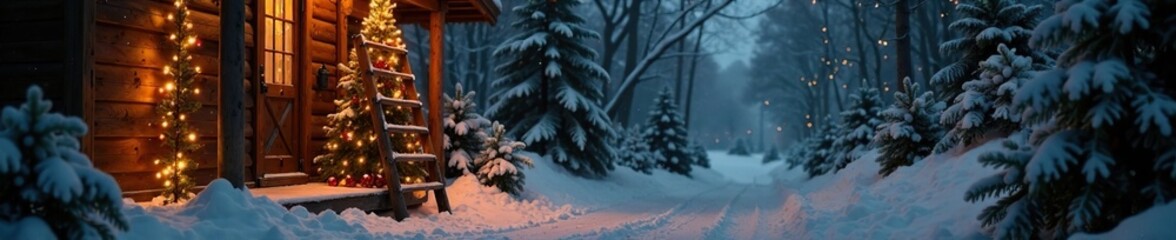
(738,198)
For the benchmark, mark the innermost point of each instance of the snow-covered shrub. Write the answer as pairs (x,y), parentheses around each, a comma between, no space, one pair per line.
(550,90)
(772,155)
(464,131)
(818,156)
(633,151)
(499,164)
(857,126)
(983,25)
(699,155)
(909,128)
(666,134)
(986,105)
(740,148)
(47,186)
(1104,148)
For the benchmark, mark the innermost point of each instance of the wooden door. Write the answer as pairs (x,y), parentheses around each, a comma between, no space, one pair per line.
(278,111)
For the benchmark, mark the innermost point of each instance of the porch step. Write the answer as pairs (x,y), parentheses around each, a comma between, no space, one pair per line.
(414,157)
(283,179)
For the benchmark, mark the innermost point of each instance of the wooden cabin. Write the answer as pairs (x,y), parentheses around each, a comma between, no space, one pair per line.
(102,60)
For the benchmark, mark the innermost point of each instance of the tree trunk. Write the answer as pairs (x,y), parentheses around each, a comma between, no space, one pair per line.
(232,93)
(902,30)
(693,73)
(625,104)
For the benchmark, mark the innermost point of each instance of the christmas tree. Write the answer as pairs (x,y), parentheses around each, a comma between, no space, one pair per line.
(666,134)
(908,130)
(499,165)
(858,123)
(633,151)
(1102,147)
(740,148)
(464,133)
(550,89)
(983,25)
(179,100)
(986,106)
(352,148)
(47,186)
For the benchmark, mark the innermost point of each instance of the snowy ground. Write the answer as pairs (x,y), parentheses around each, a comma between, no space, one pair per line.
(738,199)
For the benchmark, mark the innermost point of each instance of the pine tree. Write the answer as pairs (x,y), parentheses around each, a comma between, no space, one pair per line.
(740,148)
(464,133)
(908,129)
(550,88)
(633,151)
(1103,149)
(666,134)
(858,123)
(499,164)
(179,101)
(818,157)
(699,155)
(983,25)
(352,145)
(772,155)
(47,186)
(986,106)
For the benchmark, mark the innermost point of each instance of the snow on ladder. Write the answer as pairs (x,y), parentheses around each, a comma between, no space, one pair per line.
(400,74)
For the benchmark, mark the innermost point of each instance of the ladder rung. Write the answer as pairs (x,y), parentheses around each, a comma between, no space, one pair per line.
(399,102)
(393,74)
(414,157)
(405,128)
(421,186)
(385,46)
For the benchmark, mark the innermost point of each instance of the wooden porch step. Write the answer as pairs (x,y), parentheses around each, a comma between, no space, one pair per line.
(421,186)
(400,102)
(386,72)
(414,157)
(283,179)
(317,197)
(397,128)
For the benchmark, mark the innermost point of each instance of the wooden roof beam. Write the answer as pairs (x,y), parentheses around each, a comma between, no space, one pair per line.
(430,5)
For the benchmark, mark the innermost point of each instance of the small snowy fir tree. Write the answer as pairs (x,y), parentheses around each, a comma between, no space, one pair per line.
(797,153)
(983,25)
(772,155)
(550,92)
(633,151)
(986,105)
(666,134)
(908,130)
(1104,148)
(699,155)
(352,144)
(819,154)
(858,123)
(47,186)
(499,164)
(740,148)
(464,133)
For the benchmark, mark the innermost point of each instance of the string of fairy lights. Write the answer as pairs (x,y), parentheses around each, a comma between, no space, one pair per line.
(178,102)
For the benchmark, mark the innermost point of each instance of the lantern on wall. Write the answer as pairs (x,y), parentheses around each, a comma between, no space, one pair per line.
(320,81)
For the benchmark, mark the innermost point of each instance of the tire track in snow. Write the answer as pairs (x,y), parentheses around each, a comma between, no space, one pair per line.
(697,216)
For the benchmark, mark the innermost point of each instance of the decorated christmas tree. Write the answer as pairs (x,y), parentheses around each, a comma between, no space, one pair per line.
(549,92)
(666,134)
(177,103)
(47,186)
(908,130)
(352,149)
(464,131)
(500,164)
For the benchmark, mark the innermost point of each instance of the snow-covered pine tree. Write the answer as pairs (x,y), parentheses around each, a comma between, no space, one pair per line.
(740,148)
(858,123)
(772,155)
(1104,149)
(500,164)
(47,186)
(819,153)
(550,88)
(699,155)
(352,147)
(797,153)
(986,105)
(464,133)
(633,151)
(983,25)
(666,133)
(908,130)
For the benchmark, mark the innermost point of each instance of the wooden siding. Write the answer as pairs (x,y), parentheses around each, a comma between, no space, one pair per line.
(32,51)
(130,50)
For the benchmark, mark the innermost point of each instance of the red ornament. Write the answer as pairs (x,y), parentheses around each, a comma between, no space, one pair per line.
(349,182)
(366,181)
(379,181)
(331,181)
(381,64)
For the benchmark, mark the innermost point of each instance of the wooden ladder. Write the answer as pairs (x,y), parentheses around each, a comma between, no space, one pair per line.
(401,74)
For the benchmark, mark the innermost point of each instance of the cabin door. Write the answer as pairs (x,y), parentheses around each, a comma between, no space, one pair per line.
(278,110)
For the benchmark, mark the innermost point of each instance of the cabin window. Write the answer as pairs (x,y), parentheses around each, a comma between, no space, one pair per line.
(279,42)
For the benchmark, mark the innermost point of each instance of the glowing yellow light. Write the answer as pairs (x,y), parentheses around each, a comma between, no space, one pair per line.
(191,137)
(170,86)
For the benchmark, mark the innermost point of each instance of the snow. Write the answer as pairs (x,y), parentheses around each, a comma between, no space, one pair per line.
(743,169)
(312,192)
(1155,223)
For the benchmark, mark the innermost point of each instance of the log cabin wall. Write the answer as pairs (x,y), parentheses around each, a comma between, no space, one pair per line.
(130,50)
(327,47)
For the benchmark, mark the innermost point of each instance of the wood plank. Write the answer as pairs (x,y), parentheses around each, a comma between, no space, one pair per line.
(322,52)
(140,120)
(324,10)
(323,31)
(145,180)
(129,155)
(115,83)
(152,16)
